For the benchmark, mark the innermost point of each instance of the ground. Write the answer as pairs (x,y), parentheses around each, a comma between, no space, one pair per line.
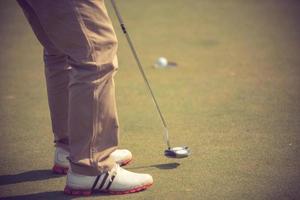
(233,99)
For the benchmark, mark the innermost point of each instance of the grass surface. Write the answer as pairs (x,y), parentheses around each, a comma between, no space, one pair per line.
(234,100)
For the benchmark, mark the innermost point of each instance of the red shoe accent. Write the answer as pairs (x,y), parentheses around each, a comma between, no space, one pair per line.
(137,189)
(56,169)
(78,192)
(126,162)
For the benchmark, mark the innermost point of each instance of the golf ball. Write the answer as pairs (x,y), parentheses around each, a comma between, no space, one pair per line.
(162,62)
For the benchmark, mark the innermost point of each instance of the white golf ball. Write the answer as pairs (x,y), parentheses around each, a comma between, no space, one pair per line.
(162,62)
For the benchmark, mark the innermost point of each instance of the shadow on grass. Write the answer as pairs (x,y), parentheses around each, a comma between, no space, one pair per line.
(42,195)
(163,166)
(53,195)
(34,175)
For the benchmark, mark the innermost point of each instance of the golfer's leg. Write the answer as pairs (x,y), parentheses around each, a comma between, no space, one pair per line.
(82,30)
(57,73)
(57,78)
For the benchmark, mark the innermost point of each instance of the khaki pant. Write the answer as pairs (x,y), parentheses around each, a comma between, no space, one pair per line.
(80,61)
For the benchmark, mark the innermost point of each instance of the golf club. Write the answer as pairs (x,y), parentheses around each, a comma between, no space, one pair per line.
(175,152)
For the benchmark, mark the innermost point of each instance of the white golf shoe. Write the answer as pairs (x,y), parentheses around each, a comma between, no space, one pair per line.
(61,163)
(116,181)
(122,156)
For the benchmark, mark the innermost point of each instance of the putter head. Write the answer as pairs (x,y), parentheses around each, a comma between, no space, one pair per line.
(178,152)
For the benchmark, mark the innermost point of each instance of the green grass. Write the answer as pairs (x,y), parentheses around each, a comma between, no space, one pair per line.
(234,100)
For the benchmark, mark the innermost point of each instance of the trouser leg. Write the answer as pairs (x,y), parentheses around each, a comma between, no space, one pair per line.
(82,30)
(57,79)
(57,73)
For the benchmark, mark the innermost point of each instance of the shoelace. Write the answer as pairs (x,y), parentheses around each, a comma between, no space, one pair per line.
(113,172)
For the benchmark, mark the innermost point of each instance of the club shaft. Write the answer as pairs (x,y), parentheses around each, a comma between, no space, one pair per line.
(166,132)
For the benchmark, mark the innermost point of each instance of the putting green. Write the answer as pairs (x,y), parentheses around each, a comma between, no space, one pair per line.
(233,99)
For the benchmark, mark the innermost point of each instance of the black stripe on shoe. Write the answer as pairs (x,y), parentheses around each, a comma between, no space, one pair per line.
(96,181)
(103,181)
(110,182)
